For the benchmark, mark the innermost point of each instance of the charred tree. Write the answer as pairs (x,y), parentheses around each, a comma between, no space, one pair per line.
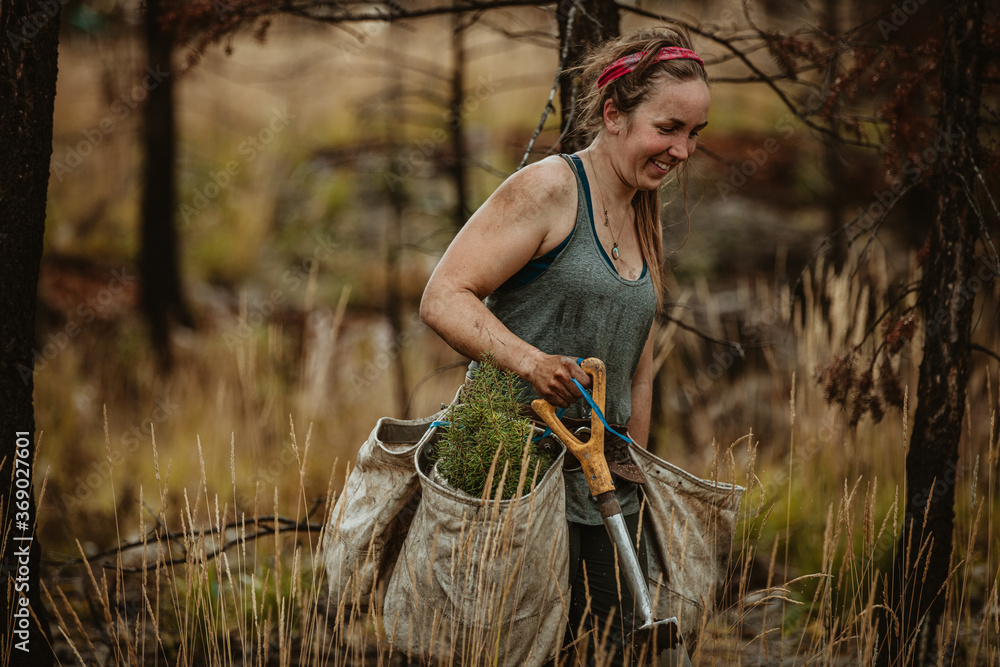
(163,303)
(923,555)
(399,199)
(29,57)
(455,125)
(833,150)
(593,22)
(394,298)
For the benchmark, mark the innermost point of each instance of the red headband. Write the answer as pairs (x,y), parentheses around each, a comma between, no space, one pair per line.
(623,66)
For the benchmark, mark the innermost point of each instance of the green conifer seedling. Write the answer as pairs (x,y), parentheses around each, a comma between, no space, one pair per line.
(486,426)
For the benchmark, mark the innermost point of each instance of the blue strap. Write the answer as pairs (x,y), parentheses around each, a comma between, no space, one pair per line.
(597,411)
(440,423)
(548,431)
(593,406)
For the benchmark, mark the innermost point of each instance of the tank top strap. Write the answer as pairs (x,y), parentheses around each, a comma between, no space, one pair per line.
(585,211)
(585,214)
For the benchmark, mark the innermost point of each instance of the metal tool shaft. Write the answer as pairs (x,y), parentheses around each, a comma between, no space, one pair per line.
(629,564)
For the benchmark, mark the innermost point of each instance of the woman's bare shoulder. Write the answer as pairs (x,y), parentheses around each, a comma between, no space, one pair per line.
(548,182)
(530,213)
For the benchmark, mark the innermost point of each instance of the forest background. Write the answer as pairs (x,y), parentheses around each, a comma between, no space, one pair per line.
(322,170)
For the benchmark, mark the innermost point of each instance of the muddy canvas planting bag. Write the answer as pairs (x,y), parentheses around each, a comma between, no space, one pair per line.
(472,580)
(371,516)
(691,522)
(481,582)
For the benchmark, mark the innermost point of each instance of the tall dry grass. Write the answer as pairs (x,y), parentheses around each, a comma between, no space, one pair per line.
(222,567)
(823,507)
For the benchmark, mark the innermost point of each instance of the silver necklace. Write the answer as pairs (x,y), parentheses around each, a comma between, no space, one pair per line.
(607,221)
(614,237)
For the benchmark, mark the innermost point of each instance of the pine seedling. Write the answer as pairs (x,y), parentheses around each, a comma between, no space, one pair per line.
(484,426)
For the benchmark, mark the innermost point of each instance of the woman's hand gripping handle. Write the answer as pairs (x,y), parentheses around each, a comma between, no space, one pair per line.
(590,453)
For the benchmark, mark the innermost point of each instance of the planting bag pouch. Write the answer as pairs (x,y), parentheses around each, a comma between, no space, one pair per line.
(481,582)
(691,523)
(371,516)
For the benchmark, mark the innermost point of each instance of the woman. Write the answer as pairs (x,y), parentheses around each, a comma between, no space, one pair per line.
(565,260)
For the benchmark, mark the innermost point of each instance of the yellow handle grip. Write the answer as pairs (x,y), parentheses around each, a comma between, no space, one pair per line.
(590,454)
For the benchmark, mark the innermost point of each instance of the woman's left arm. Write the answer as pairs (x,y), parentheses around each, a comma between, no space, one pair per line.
(642,395)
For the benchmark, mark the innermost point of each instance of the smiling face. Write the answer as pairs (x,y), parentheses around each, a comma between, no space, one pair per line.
(661,133)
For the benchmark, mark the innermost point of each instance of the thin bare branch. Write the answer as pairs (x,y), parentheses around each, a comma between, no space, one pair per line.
(397,12)
(767,79)
(713,155)
(410,62)
(279,525)
(982,219)
(555,85)
(437,371)
(485,166)
(738,348)
(536,37)
(757,79)
(985,350)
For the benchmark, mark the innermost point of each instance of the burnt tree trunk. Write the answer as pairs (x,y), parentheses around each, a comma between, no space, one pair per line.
(922,560)
(398,201)
(456,130)
(594,21)
(163,302)
(29,40)
(833,149)
(394,299)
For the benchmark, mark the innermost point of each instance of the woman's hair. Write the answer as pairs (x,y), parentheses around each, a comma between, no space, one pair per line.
(627,93)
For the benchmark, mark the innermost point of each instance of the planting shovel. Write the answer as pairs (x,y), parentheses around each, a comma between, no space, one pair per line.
(661,637)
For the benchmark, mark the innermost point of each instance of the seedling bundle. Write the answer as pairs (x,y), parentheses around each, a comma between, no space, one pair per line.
(485,441)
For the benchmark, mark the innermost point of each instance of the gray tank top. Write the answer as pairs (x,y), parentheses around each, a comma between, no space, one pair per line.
(580,306)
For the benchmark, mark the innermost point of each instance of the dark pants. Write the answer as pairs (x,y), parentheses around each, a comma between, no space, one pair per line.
(591,551)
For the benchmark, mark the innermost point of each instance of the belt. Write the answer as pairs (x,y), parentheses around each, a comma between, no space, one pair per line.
(616,452)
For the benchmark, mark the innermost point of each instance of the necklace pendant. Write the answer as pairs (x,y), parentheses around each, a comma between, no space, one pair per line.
(614,251)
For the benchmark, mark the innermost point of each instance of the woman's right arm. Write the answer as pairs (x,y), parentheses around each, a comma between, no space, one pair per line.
(529,214)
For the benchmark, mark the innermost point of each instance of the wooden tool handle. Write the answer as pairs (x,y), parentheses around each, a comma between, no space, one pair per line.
(590,453)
